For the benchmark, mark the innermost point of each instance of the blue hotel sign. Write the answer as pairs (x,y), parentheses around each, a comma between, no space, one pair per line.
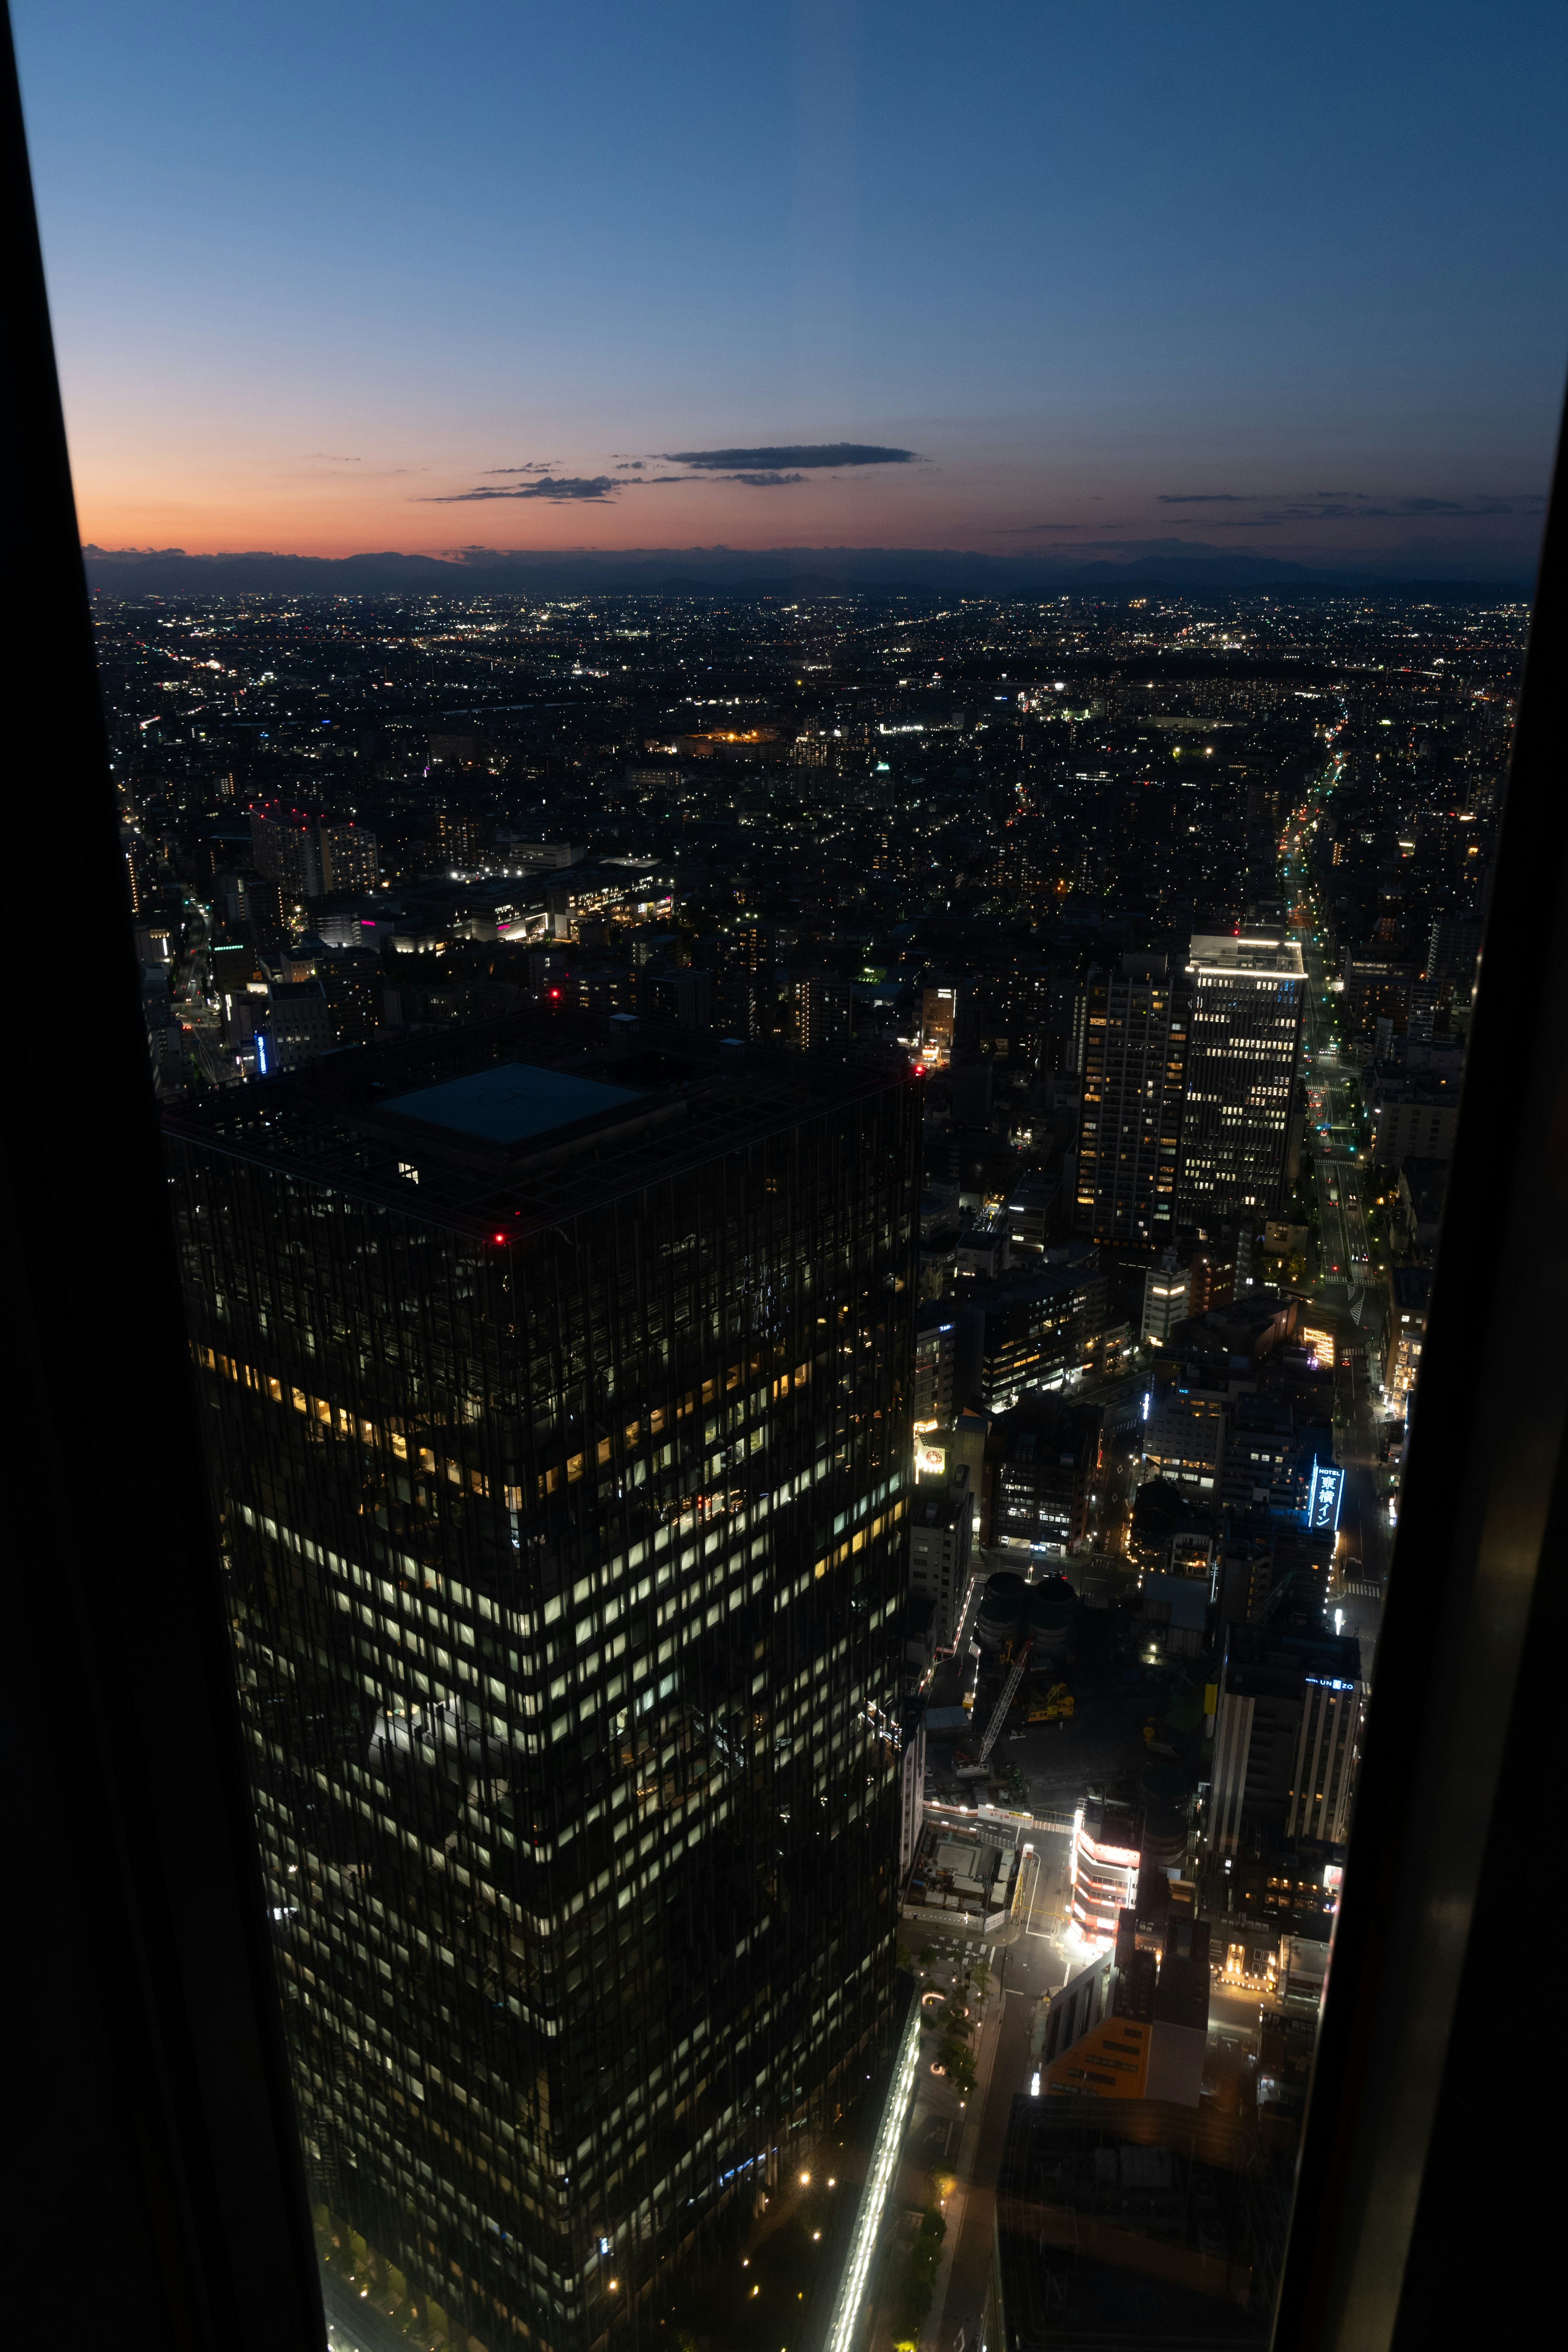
(1324,1496)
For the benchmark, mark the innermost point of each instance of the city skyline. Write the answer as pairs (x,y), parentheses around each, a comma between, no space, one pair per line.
(817,750)
(830,279)
(809,1230)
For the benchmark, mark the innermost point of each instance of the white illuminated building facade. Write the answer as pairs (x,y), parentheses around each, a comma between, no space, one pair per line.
(1107,1850)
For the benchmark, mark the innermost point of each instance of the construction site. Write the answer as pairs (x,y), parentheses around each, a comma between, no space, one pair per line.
(1050,1693)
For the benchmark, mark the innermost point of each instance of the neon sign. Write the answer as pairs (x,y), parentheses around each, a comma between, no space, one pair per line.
(1324,1496)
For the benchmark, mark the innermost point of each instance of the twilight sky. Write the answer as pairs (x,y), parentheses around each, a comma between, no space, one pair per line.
(992,274)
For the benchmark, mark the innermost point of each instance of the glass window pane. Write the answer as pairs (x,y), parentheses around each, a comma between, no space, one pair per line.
(807,1120)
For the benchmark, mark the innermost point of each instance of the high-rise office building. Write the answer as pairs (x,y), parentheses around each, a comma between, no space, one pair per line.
(1453,951)
(936,1018)
(947,1017)
(353,984)
(1167,1299)
(286,846)
(936,1332)
(1040,1332)
(679,994)
(1041,1459)
(1376,988)
(298,1026)
(1134,1076)
(266,907)
(348,858)
(1287,1722)
(558,1391)
(823,1011)
(463,841)
(941,1535)
(1247,999)
(141,871)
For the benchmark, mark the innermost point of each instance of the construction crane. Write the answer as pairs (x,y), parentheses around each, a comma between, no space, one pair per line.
(1009,1691)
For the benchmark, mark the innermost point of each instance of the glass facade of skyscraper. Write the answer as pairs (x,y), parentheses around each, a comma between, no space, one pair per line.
(558,1391)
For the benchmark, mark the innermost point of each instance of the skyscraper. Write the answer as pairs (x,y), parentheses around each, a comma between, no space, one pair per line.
(348,858)
(1134,1075)
(311,859)
(1453,951)
(463,841)
(559,1400)
(1167,1301)
(287,849)
(823,1009)
(1287,1722)
(139,870)
(1248,997)
(941,1534)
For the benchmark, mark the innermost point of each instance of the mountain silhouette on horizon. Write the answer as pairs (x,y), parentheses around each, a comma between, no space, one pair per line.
(746,573)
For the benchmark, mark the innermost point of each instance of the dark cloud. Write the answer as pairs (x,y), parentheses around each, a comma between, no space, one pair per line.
(377,473)
(1021,530)
(759,469)
(778,461)
(1348,507)
(560,489)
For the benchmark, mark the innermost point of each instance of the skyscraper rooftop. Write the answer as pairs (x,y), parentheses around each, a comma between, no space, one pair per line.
(1264,952)
(521,1118)
(511,1102)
